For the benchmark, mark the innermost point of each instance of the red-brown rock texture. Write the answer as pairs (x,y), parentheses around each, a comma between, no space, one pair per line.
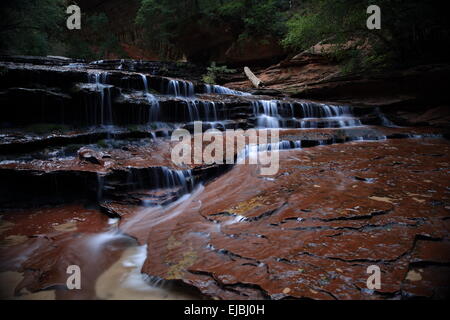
(313,230)
(95,185)
(412,96)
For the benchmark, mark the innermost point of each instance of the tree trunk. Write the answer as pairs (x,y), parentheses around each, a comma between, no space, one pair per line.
(257,83)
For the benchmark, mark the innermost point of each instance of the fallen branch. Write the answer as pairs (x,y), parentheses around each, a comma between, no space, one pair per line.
(257,83)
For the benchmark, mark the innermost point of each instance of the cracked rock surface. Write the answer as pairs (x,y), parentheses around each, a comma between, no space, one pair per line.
(313,230)
(87,179)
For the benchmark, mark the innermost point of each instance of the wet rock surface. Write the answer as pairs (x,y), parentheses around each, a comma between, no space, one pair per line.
(312,231)
(86,178)
(412,96)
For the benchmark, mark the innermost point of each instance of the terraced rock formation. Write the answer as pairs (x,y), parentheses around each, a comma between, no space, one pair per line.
(86,178)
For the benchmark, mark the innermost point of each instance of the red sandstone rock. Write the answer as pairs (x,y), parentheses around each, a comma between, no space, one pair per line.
(315,229)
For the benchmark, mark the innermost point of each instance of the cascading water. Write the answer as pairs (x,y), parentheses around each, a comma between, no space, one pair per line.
(100,79)
(178,178)
(280,114)
(251,150)
(180,88)
(326,116)
(210,111)
(154,102)
(192,108)
(268,117)
(209,89)
(160,178)
(159,194)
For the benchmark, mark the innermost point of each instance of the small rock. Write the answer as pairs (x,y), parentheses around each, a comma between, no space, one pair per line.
(413,276)
(89,155)
(382,199)
(286,290)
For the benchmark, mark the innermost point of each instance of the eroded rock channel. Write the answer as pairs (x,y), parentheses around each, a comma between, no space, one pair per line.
(86,179)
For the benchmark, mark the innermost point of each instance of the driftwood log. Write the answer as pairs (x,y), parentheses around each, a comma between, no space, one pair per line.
(257,83)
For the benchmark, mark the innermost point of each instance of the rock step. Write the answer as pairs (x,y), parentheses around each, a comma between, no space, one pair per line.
(22,106)
(24,142)
(138,170)
(66,76)
(21,142)
(76,95)
(36,187)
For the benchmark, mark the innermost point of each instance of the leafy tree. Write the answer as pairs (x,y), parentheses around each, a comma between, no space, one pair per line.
(214,72)
(408,30)
(92,42)
(165,21)
(30,26)
(38,27)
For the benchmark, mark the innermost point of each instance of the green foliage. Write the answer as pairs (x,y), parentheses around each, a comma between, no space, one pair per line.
(266,18)
(38,27)
(167,21)
(408,28)
(134,128)
(209,79)
(215,69)
(103,143)
(92,42)
(214,72)
(30,26)
(411,32)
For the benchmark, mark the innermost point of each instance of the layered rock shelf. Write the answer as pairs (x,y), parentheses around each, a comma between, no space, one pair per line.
(87,178)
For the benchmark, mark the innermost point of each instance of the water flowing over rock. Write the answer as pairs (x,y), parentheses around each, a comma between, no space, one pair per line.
(86,171)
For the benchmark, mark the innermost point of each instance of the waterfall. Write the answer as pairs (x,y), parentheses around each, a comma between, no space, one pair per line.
(192,108)
(181,178)
(209,89)
(314,110)
(269,117)
(161,178)
(280,114)
(209,111)
(180,88)
(154,102)
(100,80)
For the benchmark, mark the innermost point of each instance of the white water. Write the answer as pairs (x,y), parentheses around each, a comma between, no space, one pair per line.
(124,280)
(223,90)
(154,102)
(100,79)
(312,115)
(268,117)
(180,88)
(151,217)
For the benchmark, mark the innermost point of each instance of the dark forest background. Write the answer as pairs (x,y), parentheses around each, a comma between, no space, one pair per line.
(413,31)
